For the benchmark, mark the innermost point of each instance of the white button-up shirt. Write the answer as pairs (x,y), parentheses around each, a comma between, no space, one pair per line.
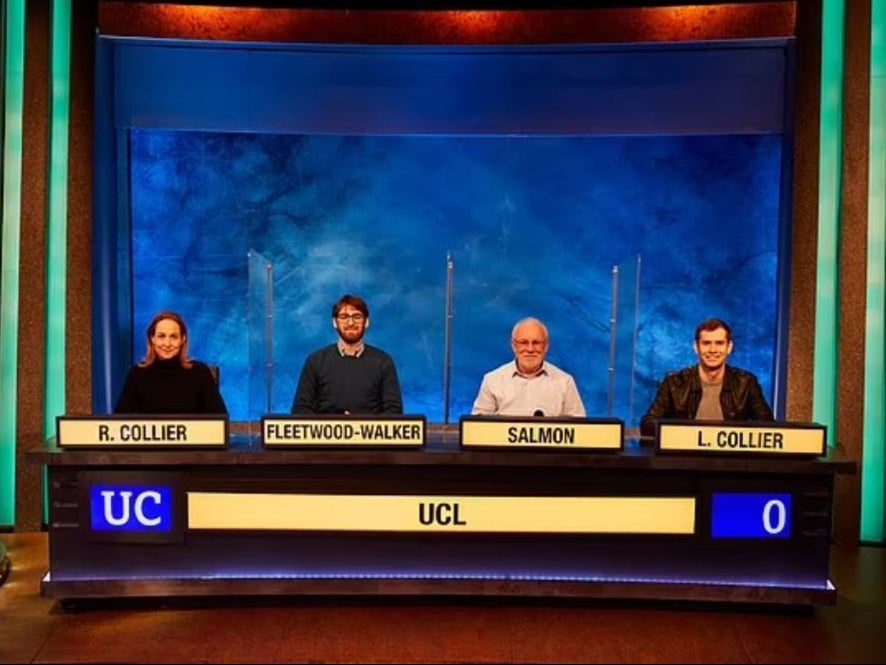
(506,392)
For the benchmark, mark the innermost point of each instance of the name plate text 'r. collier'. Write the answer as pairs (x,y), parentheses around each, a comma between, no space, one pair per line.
(128,432)
(782,439)
(407,431)
(468,514)
(541,433)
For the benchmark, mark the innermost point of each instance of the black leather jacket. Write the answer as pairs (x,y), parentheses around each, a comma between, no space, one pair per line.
(679,395)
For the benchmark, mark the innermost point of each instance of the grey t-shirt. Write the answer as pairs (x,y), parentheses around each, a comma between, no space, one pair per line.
(709,408)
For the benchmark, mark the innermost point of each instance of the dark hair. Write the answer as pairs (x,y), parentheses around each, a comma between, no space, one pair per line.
(151,356)
(713,324)
(354,301)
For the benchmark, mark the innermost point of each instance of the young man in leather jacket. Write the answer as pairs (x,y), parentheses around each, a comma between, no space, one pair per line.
(710,390)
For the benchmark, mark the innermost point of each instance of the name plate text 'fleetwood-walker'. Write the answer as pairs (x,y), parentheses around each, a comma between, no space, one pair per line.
(756,439)
(141,431)
(496,432)
(650,515)
(345,431)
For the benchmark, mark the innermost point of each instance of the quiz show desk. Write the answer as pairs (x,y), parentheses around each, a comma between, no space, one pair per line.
(240,516)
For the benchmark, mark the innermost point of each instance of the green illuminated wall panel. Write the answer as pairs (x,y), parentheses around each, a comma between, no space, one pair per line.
(873,471)
(14,75)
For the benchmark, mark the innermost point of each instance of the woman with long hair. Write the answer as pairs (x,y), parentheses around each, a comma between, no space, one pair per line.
(167,381)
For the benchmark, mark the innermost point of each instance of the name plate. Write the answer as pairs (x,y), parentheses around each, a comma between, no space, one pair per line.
(466,514)
(141,432)
(548,433)
(344,431)
(757,439)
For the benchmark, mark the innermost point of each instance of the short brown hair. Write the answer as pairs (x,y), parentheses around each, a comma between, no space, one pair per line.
(354,301)
(713,324)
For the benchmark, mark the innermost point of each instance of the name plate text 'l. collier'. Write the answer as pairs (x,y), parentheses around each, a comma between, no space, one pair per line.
(757,439)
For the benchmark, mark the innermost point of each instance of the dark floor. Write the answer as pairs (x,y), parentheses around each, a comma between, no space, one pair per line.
(372,630)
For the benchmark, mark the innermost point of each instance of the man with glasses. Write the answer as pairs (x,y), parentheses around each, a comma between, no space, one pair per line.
(529,386)
(349,376)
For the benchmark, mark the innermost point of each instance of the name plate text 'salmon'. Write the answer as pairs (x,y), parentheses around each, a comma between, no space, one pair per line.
(344,431)
(749,439)
(548,433)
(141,432)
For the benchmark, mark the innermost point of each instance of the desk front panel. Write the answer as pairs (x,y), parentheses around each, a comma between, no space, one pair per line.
(747,529)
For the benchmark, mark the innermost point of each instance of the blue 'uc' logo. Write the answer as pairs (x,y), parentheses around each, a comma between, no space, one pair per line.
(130,508)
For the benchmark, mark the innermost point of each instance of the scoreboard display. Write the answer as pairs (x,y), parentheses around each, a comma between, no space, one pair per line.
(746,515)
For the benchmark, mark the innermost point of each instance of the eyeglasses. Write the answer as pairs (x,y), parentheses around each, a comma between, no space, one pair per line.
(530,343)
(356,318)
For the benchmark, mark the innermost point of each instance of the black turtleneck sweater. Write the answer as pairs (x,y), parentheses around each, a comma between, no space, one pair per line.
(165,387)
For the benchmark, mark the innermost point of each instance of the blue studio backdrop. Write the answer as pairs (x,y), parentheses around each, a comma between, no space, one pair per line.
(358,169)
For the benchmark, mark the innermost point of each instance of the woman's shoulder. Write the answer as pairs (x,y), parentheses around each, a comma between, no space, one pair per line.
(201,367)
(205,370)
(137,369)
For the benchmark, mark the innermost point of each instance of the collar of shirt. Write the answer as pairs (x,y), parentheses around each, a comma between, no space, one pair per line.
(517,372)
(341,350)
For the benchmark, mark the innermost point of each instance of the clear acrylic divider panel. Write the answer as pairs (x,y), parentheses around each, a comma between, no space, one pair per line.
(626,295)
(260,315)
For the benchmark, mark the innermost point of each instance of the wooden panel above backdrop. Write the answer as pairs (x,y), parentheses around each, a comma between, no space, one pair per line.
(536,26)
